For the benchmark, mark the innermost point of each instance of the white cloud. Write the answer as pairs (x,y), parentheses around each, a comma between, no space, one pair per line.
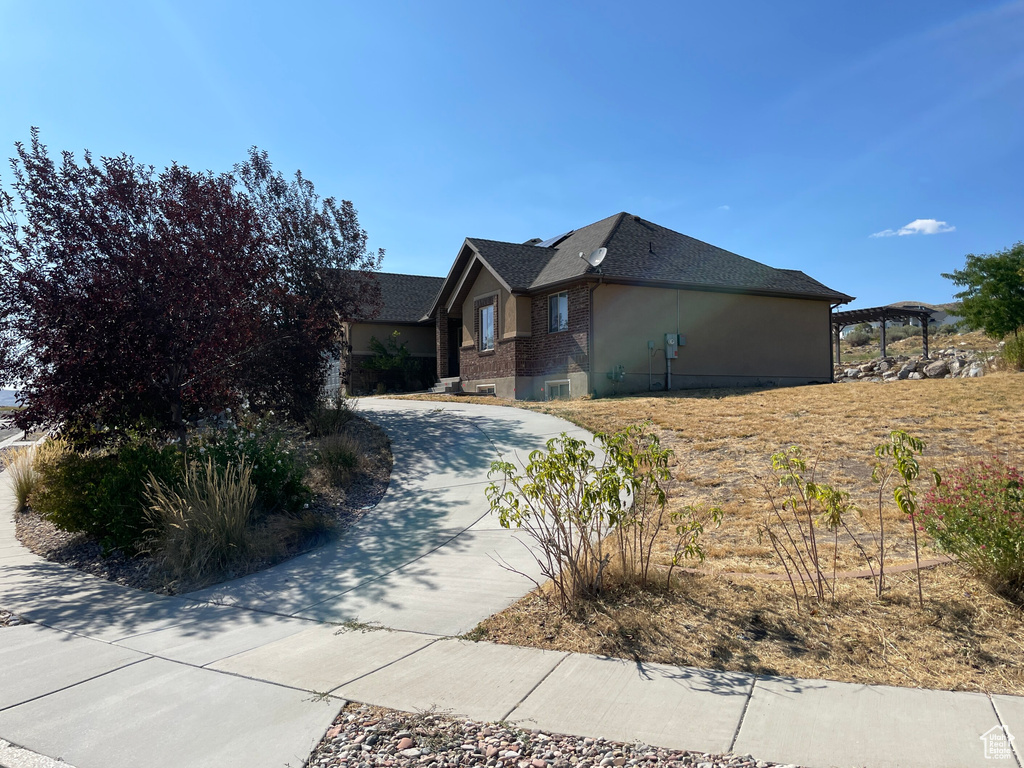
(724,208)
(918,227)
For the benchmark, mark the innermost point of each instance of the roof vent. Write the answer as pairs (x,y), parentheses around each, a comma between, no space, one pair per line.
(532,241)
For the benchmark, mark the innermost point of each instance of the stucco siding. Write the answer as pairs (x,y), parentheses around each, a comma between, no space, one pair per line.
(730,338)
(420,340)
(485,284)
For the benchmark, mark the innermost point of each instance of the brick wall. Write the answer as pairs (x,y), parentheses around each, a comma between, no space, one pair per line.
(563,351)
(441,331)
(476,364)
(541,354)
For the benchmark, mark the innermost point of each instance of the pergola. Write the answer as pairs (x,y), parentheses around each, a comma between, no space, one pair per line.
(841,320)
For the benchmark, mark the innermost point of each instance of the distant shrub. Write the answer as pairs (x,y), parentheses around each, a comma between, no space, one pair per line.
(947,330)
(103,493)
(976,513)
(858,339)
(1013,351)
(900,332)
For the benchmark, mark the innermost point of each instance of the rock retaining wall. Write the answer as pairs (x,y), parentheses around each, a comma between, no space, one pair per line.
(945,364)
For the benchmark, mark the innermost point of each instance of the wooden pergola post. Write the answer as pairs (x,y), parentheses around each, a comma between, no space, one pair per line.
(882,329)
(924,336)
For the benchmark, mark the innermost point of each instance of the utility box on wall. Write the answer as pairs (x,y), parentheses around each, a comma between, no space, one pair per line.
(671,346)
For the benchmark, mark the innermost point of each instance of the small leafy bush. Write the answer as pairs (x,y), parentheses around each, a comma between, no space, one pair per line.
(276,471)
(103,493)
(203,528)
(569,503)
(800,505)
(637,455)
(976,514)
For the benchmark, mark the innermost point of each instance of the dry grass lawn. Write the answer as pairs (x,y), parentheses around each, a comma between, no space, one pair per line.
(964,638)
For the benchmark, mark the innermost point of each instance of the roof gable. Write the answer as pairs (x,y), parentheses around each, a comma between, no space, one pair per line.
(405,298)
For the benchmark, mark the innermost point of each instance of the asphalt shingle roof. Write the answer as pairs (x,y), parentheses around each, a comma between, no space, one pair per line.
(405,298)
(642,251)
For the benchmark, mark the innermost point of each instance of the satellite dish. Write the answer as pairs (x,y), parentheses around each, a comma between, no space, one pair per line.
(596,257)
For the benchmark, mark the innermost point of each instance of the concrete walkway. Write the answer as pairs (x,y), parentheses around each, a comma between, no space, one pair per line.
(251,673)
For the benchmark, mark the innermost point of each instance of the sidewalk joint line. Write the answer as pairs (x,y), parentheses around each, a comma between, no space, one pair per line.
(375,671)
(74,685)
(529,693)
(743,714)
(1006,729)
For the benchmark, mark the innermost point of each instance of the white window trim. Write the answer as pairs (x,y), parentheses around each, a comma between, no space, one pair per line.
(551,296)
(486,388)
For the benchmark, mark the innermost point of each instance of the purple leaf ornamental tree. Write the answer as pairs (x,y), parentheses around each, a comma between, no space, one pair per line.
(130,295)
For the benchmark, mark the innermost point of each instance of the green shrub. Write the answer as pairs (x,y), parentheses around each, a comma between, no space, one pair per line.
(276,471)
(103,493)
(340,457)
(976,514)
(858,339)
(1013,351)
(203,528)
(569,503)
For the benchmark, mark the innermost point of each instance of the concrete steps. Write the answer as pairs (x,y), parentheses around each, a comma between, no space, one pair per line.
(449,386)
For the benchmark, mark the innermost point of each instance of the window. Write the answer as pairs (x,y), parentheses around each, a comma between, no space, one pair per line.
(558,312)
(557,390)
(487,327)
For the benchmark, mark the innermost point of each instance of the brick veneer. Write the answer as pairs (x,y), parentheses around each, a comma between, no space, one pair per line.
(541,354)
(441,332)
(564,351)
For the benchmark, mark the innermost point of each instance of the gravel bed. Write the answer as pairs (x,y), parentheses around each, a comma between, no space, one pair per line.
(82,552)
(363,737)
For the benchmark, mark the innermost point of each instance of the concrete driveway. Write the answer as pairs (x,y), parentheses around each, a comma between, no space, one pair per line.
(429,557)
(251,673)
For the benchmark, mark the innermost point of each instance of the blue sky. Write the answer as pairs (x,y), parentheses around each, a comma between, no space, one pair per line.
(787,132)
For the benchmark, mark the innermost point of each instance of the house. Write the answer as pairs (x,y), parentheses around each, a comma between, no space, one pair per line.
(550,319)
(404,301)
